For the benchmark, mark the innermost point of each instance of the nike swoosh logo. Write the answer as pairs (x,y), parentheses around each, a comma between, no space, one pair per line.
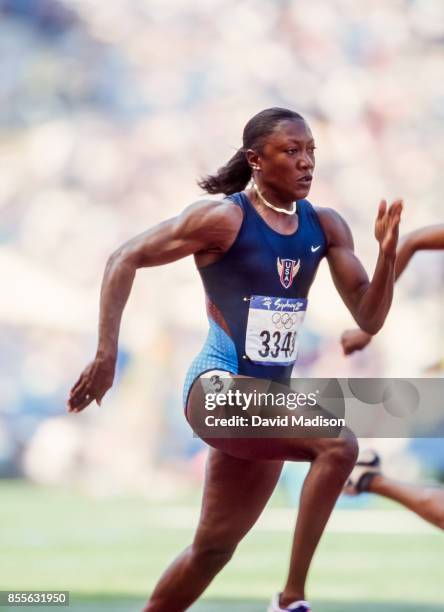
(314,249)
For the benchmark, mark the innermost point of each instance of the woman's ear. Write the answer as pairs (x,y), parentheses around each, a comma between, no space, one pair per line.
(253,159)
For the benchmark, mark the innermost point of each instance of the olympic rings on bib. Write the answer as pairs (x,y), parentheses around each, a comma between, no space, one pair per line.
(284,320)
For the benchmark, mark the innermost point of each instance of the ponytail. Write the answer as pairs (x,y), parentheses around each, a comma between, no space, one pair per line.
(231,178)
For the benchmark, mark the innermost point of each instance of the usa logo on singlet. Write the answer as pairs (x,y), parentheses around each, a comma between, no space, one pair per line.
(287,270)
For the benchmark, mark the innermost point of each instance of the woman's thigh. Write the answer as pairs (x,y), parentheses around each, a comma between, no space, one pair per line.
(303,444)
(235,493)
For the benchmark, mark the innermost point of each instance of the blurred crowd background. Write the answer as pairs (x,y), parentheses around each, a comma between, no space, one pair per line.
(109,112)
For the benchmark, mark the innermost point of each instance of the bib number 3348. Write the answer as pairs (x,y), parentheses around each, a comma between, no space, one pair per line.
(272,329)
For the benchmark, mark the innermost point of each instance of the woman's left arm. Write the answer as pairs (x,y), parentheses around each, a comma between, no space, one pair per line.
(367,301)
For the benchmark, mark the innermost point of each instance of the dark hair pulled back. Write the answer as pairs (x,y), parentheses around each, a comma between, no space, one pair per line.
(236,173)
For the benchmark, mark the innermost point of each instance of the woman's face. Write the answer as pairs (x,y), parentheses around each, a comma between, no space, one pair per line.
(287,161)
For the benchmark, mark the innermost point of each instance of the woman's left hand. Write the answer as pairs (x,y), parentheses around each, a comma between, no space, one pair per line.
(387,226)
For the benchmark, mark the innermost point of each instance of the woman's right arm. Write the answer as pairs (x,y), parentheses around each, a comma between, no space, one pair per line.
(204,226)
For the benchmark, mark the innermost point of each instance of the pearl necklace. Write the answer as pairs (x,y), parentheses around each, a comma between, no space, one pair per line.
(276,208)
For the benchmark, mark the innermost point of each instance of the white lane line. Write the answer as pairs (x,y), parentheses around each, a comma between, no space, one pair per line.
(283,519)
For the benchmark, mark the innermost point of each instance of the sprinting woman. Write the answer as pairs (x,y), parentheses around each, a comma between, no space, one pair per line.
(261,240)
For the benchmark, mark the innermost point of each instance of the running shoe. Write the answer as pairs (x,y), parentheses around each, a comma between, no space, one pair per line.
(367,467)
(296,606)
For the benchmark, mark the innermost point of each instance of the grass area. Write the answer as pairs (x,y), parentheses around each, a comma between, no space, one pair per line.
(109,553)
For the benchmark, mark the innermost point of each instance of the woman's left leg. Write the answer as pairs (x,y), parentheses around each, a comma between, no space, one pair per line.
(235,493)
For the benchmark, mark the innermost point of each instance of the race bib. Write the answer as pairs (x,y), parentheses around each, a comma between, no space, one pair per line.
(272,329)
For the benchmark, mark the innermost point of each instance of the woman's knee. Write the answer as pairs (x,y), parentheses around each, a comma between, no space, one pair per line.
(343,452)
(212,555)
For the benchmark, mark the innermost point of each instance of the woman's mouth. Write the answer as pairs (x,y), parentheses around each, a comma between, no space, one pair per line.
(305,180)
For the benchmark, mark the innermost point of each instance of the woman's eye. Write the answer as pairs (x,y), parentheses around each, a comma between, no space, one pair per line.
(292,151)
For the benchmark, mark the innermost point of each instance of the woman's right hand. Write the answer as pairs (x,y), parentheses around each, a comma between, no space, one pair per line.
(354,340)
(93,383)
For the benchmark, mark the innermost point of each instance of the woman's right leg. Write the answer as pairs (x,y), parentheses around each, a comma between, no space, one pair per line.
(332,463)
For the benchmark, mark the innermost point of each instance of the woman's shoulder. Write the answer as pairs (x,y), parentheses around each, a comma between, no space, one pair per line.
(214,212)
(333,224)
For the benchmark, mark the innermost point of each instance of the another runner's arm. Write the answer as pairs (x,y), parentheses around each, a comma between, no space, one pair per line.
(202,227)
(424,239)
(367,301)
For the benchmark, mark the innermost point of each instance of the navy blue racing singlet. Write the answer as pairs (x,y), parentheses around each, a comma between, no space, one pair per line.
(256,296)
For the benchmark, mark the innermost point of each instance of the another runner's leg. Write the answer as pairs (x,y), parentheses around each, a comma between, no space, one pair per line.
(235,494)
(427,502)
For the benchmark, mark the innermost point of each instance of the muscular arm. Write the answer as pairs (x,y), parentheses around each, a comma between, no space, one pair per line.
(426,238)
(202,227)
(367,301)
